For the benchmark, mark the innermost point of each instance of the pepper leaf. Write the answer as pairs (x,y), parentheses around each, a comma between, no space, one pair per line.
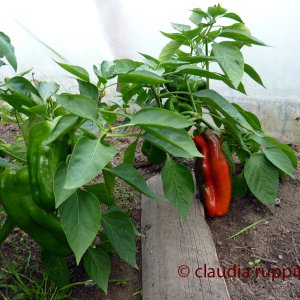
(225,107)
(129,153)
(75,70)
(231,61)
(175,141)
(131,176)
(279,159)
(169,50)
(159,117)
(262,178)
(97,265)
(88,89)
(142,77)
(79,105)
(89,157)
(178,185)
(7,50)
(61,194)
(80,217)
(121,234)
(47,89)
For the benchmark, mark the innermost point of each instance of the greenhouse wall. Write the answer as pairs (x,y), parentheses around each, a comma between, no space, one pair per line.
(87,32)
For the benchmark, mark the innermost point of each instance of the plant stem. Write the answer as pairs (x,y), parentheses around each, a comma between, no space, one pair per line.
(156,95)
(114,113)
(206,63)
(191,95)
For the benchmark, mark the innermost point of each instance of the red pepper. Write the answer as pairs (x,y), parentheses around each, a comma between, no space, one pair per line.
(213,174)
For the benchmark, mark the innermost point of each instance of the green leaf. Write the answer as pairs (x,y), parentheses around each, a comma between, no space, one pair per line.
(47,89)
(7,50)
(75,70)
(150,61)
(107,69)
(80,217)
(131,176)
(16,150)
(61,194)
(193,70)
(175,36)
(158,117)
(56,268)
(123,66)
(101,192)
(241,36)
(239,186)
(269,142)
(88,89)
(22,86)
(279,159)
(89,157)
(251,118)
(142,77)
(178,185)
(169,50)
(63,125)
(233,16)
(216,10)
(235,132)
(98,267)
(175,141)
(181,27)
(225,107)
(121,234)
(79,105)
(129,153)
(253,74)
(18,101)
(197,16)
(262,178)
(231,61)
(227,153)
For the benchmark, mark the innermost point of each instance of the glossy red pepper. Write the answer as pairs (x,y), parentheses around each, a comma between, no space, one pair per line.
(213,174)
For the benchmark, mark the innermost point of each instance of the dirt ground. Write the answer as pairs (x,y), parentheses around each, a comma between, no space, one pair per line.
(275,241)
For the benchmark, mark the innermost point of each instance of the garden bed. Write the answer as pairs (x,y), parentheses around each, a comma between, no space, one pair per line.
(275,241)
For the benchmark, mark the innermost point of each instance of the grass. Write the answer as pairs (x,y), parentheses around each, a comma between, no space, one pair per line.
(15,285)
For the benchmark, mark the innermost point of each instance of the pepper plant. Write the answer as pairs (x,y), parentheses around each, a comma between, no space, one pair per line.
(47,185)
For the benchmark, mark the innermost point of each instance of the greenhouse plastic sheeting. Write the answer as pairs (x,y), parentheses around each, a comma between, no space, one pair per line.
(87,32)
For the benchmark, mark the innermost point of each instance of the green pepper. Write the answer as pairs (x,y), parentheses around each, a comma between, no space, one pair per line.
(171,104)
(43,159)
(154,154)
(43,227)
(184,107)
(179,83)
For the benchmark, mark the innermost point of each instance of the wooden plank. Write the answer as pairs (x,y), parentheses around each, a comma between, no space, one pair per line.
(171,242)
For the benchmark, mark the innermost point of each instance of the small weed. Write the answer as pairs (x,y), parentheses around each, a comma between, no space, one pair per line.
(253,264)
(15,285)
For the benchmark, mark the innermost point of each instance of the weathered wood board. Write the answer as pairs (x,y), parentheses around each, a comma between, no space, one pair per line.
(173,250)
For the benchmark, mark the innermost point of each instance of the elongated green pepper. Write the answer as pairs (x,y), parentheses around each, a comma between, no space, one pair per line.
(42,226)
(43,159)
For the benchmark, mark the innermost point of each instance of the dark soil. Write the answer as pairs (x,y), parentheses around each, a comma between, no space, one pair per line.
(275,241)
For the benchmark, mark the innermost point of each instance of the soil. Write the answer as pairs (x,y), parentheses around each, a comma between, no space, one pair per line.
(275,241)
